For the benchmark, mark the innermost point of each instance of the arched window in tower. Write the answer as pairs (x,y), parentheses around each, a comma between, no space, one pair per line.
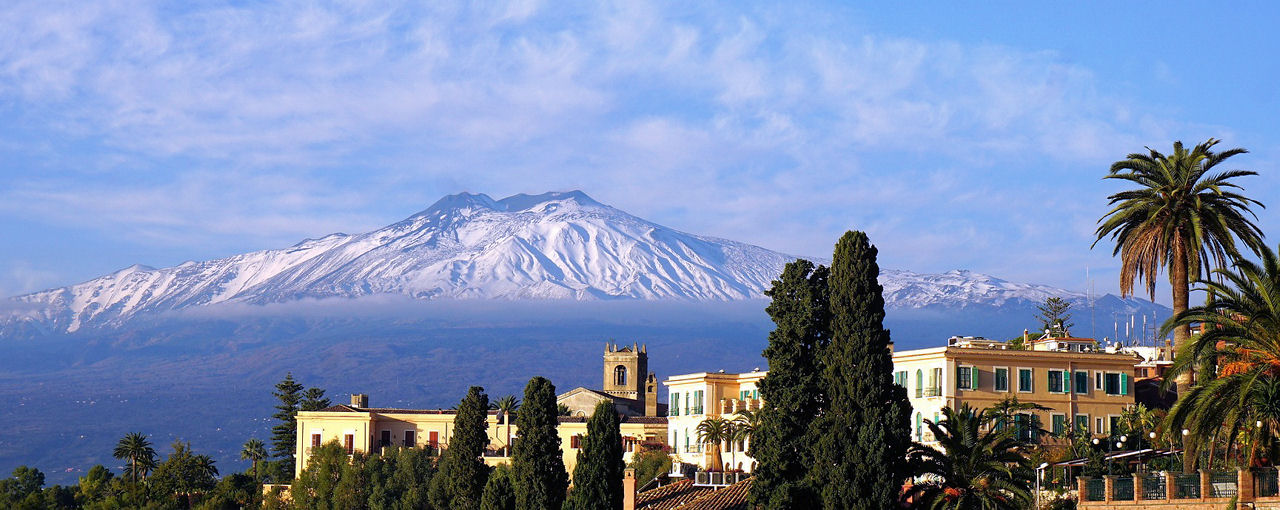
(620,375)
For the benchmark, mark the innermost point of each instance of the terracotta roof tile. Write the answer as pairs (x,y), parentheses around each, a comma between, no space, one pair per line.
(733,497)
(670,497)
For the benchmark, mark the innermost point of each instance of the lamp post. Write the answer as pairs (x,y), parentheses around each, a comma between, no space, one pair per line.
(1039,474)
(1096,442)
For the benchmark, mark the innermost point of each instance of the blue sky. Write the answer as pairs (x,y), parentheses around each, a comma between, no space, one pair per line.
(959,135)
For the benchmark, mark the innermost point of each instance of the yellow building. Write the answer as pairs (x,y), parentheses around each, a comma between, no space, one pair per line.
(359,427)
(1081,384)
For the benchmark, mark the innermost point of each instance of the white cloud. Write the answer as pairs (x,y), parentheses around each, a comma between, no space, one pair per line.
(290,120)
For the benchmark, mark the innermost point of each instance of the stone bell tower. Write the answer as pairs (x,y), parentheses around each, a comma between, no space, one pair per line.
(627,375)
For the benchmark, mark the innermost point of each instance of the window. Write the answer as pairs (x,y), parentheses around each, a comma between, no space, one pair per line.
(315,440)
(675,405)
(1059,424)
(1116,384)
(384,439)
(1082,383)
(433,439)
(697,402)
(1055,381)
(1097,381)
(919,427)
(1024,427)
(575,441)
(1002,379)
(900,378)
(1114,423)
(1098,426)
(1024,380)
(349,442)
(1082,421)
(919,383)
(620,375)
(967,378)
(935,383)
(410,439)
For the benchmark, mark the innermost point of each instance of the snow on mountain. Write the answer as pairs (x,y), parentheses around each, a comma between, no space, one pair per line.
(470,246)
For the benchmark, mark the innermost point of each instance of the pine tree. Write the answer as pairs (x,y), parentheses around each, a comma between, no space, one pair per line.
(498,494)
(314,400)
(460,481)
(861,442)
(597,479)
(284,436)
(537,461)
(791,391)
(1054,316)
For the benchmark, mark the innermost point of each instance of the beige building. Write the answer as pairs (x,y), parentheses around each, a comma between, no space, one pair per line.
(1081,384)
(359,427)
(696,397)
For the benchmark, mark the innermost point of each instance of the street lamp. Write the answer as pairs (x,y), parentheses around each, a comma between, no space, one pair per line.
(1039,474)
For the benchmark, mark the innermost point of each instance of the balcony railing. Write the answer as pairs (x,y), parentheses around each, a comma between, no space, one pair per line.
(718,479)
(933,392)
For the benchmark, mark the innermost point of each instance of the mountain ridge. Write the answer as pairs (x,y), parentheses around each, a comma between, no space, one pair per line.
(555,245)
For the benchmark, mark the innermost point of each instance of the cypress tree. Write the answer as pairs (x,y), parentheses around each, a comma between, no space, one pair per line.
(791,391)
(459,482)
(498,494)
(862,440)
(537,461)
(597,479)
(284,436)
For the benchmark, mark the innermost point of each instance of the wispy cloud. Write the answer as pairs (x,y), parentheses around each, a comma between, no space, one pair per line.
(770,125)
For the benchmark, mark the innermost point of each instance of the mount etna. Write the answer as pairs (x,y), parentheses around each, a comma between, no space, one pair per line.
(471,290)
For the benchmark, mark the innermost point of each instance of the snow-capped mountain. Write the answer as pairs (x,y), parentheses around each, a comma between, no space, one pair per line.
(548,246)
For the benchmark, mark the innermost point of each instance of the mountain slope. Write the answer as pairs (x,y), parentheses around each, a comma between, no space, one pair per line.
(470,246)
(549,246)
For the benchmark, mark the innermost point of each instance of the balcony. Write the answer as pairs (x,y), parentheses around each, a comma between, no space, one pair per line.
(718,478)
(935,391)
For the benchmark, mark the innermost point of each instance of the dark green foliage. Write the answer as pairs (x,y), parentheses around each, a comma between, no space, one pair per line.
(462,475)
(791,391)
(978,466)
(95,485)
(1055,316)
(498,492)
(861,444)
(597,479)
(316,487)
(234,492)
(313,400)
(184,476)
(537,461)
(649,464)
(283,435)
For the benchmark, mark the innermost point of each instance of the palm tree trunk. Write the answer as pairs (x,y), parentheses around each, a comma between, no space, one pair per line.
(1181,297)
(1181,334)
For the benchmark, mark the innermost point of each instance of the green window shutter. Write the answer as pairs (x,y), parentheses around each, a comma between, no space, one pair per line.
(1066,381)
(1124,384)
(973,375)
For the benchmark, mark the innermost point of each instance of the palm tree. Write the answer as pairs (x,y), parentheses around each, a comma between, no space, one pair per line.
(714,431)
(1005,414)
(974,469)
(1237,397)
(1180,219)
(507,406)
(744,424)
(254,451)
(135,448)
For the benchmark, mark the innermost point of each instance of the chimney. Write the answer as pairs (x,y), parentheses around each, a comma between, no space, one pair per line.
(1026,336)
(629,489)
(359,400)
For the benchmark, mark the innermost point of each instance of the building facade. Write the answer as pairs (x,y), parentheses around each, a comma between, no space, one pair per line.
(627,382)
(1082,385)
(693,398)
